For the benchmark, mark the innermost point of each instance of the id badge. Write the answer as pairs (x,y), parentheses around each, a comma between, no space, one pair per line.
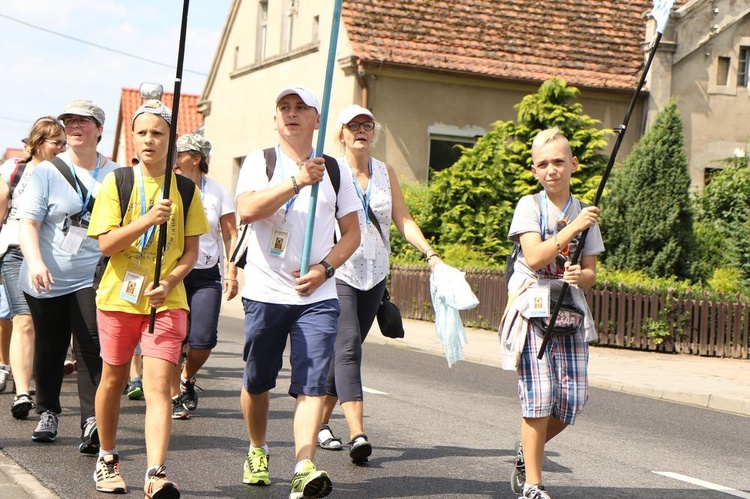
(539,300)
(279,241)
(132,286)
(73,239)
(370,245)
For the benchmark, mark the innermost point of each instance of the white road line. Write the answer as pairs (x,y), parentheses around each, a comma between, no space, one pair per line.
(373,391)
(704,484)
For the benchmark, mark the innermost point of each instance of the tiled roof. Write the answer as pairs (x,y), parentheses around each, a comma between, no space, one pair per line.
(589,43)
(13,152)
(189,119)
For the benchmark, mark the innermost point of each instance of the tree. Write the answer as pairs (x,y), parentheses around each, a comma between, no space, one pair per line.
(474,199)
(647,219)
(723,222)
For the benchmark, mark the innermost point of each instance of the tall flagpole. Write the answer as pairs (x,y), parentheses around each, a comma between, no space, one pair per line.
(305,264)
(162,243)
(660,12)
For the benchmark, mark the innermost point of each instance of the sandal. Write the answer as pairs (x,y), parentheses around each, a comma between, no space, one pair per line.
(327,441)
(360,449)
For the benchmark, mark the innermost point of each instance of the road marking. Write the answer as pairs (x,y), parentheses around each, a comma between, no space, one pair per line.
(373,391)
(704,484)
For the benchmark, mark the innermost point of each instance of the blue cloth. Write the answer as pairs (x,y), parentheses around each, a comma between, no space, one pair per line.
(450,293)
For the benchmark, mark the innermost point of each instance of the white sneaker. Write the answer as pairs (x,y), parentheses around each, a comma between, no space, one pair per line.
(4,377)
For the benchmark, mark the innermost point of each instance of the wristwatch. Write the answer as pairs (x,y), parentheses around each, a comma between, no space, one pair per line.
(329,270)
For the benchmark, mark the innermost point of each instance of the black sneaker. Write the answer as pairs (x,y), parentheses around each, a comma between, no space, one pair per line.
(518,475)
(178,409)
(89,437)
(360,449)
(22,405)
(46,430)
(189,397)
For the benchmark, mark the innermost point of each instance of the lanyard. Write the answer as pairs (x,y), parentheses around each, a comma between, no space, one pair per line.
(543,221)
(203,188)
(91,187)
(280,166)
(364,196)
(146,237)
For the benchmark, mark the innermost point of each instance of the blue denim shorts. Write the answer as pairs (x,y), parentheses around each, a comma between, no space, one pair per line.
(11,268)
(312,331)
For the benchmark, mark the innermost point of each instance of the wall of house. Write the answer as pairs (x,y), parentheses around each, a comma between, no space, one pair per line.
(241,100)
(714,115)
(409,105)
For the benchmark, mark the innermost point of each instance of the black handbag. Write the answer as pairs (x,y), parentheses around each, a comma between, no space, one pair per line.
(569,318)
(389,318)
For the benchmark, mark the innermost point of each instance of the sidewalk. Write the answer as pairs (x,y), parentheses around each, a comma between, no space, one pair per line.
(720,384)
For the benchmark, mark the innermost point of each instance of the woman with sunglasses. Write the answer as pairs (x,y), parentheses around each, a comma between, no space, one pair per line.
(361,281)
(45,140)
(57,273)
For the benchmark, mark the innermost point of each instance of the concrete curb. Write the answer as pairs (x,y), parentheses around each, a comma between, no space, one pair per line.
(16,482)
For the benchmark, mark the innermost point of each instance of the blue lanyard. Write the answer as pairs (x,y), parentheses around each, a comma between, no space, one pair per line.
(203,187)
(543,221)
(280,166)
(364,196)
(91,187)
(146,237)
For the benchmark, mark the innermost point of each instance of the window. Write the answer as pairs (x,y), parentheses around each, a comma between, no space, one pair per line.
(444,151)
(743,67)
(262,32)
(722,71)
(290,12)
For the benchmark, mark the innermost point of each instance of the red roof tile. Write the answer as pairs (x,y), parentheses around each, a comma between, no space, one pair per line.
(589,43)
(189,119)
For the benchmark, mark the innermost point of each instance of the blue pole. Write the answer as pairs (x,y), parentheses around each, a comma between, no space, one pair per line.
(305,264)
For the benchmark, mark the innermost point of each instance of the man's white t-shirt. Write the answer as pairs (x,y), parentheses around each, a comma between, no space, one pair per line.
(268,278)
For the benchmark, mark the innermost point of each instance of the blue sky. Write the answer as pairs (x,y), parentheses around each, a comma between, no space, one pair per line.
(43,71)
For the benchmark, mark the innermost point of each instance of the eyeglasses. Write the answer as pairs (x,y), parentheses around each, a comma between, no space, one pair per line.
(354,125)
(80,121)
(60,144)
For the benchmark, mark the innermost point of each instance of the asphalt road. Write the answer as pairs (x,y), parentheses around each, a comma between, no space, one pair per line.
(437,432)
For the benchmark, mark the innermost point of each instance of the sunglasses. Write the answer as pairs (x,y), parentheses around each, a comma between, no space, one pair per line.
(80,121)
(60,144)
(367,125)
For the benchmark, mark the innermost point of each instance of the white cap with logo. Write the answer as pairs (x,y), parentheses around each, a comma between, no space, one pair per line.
(304,93)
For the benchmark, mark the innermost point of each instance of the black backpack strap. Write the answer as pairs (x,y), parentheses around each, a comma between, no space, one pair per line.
(186,188)
(64,170)
(15,177)
(270,157)
(124,178)
(332,167)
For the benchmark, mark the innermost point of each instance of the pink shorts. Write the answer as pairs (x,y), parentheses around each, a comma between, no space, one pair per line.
(120,332)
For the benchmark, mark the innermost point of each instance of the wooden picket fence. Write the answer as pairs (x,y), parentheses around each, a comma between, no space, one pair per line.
(641,320)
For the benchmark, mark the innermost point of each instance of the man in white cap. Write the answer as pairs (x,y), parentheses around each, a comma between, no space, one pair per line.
(273,193)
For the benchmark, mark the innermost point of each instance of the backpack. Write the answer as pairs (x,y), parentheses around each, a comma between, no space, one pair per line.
(239,255)
(125,178)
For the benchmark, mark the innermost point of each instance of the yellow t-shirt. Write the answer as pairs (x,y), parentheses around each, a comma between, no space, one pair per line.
(106,217)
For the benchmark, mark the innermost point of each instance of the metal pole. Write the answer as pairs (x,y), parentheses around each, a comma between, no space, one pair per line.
(162,243)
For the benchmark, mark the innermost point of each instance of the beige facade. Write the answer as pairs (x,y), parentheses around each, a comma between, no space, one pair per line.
(412,105)
(268,45)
